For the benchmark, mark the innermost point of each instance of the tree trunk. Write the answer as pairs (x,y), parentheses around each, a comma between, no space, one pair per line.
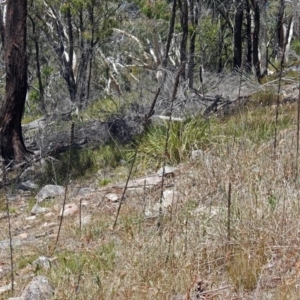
(263,38)
(238,23)
(280,31)
(184,19)
(11,140)
(194,13)
(256,61)
(249,38)
(221,46)
(170,35)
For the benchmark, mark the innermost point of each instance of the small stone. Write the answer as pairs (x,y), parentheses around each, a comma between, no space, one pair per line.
(23,236)
(43,262)
(6,288)
(31,218)
(49,215)
(48,225)
(197,154)
(70,210)
(170,197)
(169,171)
(28,185)
(112,197)
(38,210)
(86,220)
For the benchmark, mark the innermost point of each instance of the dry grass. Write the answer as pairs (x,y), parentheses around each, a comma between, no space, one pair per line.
(195,252)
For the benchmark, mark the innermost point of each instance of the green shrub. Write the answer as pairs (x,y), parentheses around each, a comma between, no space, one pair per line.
(182,138)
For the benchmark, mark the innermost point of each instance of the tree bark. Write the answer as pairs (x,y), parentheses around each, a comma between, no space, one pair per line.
(238,23)
(11,139)
(194,15)
(249,38)
(256,61)
(184,19)
(170,35)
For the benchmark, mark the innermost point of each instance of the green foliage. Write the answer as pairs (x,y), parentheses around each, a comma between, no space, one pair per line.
(109,155)
(273,201)
(76,162)
(154,9)
(101,109)
(183,137)
(295,45)
(245,265)
(265,97)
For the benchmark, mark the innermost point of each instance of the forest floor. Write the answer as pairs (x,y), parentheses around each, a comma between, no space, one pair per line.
(230,231)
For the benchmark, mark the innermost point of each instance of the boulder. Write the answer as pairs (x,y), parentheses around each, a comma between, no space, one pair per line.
(49,191)
(39,288)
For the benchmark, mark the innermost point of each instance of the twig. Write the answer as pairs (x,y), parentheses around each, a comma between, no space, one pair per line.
(181,69)
(146,123)
(9,228)
(66,185)
(278,102)
(229,215)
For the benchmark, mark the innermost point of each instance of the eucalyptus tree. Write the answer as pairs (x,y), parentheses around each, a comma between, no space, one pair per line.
(13,35)
(73,30)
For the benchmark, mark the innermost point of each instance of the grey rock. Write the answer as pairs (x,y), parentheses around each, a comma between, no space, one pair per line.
(38,289)
(6,243)
(166,171)
(69,210)
(42,262)
(112,197)
(5,288)
(146,182)
(85,190)
(169,198)
(197,154)
(49,191)
(28,185)
(38,210)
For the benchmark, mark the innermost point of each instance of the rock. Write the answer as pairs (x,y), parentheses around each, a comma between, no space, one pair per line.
(28,185)
(50,191)
(23,236)
(85,190)
(161,120)
(43,262)
(49,225)
(170,197)
(49,215)
(112,197)
(31,218)
(38,210)
(70,210)
(169,171)
(6,288)
(38,289)
(146,182)
(6,243)
(86,220)
(197,154)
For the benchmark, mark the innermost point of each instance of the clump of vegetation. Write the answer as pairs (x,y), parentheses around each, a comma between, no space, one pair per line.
(183,137)
(74,164)
(265,97)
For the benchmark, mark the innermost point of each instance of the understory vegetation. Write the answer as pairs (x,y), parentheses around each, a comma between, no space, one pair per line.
(232,233)
(118,91)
